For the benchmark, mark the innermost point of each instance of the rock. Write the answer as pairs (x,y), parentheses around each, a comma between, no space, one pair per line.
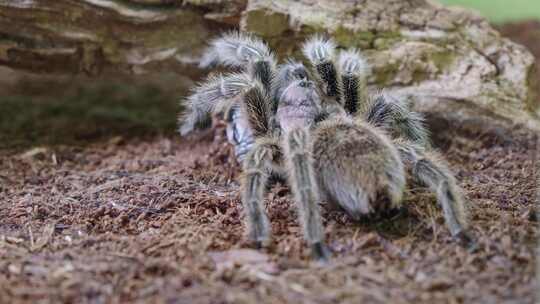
(94,36)
(451,61)
(454,64)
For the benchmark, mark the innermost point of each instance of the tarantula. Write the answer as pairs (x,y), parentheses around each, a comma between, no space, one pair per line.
(321,131)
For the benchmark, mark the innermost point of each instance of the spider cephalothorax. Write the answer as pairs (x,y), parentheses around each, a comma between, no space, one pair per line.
(319,130)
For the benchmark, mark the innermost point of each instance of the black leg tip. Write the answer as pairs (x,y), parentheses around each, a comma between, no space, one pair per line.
(320,252)
(261,243)
(466,240)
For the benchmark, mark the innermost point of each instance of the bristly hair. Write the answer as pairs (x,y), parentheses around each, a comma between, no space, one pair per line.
(209,59)
(236,49)
(354,71)
(321,53)
(318,49)
(292,69)
(392,112)
(287,72)
(209,97)
(352,62)
(256,109)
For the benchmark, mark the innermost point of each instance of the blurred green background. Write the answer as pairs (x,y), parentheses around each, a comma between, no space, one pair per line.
(502,10)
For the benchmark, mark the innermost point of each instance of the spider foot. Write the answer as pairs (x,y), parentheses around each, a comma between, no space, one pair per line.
(258,245)
(261,243)
(466,240)
(320,252)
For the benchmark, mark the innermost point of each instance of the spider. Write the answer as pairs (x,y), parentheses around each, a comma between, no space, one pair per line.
(319,129)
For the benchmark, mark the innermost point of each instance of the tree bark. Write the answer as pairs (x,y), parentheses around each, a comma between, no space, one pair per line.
(453,64)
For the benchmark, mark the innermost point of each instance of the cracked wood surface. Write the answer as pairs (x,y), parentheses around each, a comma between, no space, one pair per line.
(445,58)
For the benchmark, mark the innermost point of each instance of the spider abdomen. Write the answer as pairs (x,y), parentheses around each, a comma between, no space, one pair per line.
(358,167)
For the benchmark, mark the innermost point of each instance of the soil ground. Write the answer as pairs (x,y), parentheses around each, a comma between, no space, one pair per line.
(157,218)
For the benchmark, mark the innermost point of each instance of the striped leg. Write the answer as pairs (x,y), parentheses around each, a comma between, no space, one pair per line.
(304,187)
(256,172)
(245,52)
(212,96)
(354,71)
(321,54)
(258,163)
(429,169)
(394,114)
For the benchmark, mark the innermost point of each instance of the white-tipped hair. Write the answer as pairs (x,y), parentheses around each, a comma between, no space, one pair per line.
(392,110)
(211,96)
(352,62)
(237,49)
(318,49)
